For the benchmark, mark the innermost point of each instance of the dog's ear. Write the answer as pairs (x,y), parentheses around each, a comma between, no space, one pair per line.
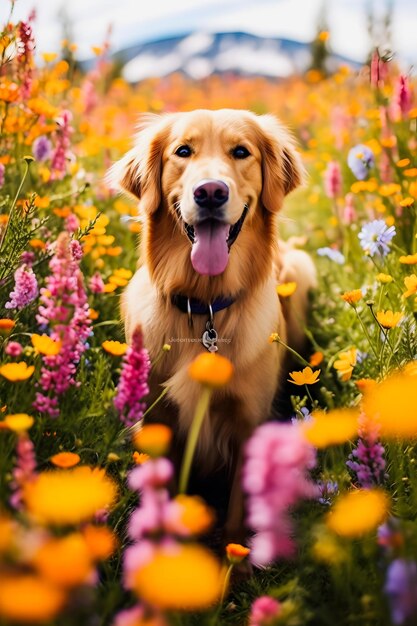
(282,169)
(138,173)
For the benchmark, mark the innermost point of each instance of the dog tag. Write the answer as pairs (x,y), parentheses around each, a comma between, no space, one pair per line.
(209,338)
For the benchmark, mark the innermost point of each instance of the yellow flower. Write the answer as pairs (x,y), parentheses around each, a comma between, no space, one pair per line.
(389,189)
(403,162)
(305,377)
(211,369)
(345,364)
(182,577)
(384,278)
(363,384)
(274,338)
(316,358)
(65,459)
(100,541)
(140,457)
(153,439)
(389,319)
(118,281)
(286,289)
(323,35)
(411,172)
(235,552)
(70,496)
(122,272)
(64,561)
(16,372)
(411,283)
(48,57)
(6,326)
(193,514)
(19,422)
(326,548)
(45,345)
(393,405)
(28,598)
(332,428)
(114,347)
(351,297)
(406,202)
(409,259)
(358,512)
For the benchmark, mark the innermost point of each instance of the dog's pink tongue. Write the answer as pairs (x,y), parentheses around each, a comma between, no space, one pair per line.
(210,254)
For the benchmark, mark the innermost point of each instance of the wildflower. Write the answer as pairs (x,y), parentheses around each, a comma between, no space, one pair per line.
(316,358)
(390,536)
(25,288)
(24,471)
(409,259)
(275,478)
(379,70)
(235,552)
(327,490)
(332,180)
(100,541)
(138,616)
(64,561)
(187,515)
(360,160)
(351,297)
(42,148)
(264,611)
(153,439)
(345,364)
(358,512)
(96,284)
(349,213)
(2,171)
(388,319)
(406,202)
(367,459)
(411,283)
(133,383)
(71,496)
(211,369)
(6,326)
(402,97)
(375,237)
(61,151)
(45,345)
(65,459)
(19,422)
(274,338)
(286,289)
(180,577)
(114,347)
(140,457)
(332,428)
(305,377)
(16,372)
(384,278)
(42,600)
(332,254)
(364,384)
(13,349)
(400,586)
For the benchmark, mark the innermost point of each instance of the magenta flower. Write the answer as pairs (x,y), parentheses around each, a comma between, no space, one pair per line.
(402,98)
(263,611)
(63,144)
(24,470)
(333,180)
(275,479)
(133,383)
(2,171)
(25,288)
(64,312)
(13,349)
(367,461)
(96,284)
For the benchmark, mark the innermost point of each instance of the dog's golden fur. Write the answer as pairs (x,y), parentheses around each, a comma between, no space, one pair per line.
(163,183)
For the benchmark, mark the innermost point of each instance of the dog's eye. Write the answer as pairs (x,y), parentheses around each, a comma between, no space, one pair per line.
(183,151)
(240,152)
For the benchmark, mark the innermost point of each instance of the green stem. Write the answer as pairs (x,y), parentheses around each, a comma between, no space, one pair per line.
(294,352)
(159,398)
(25,173)
(309,394)
(199,415)
(226,582)
(368,336)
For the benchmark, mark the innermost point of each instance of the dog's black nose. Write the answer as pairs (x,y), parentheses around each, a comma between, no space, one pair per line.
(211,194)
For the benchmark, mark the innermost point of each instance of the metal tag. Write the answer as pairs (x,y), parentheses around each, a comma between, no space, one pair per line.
(209,338)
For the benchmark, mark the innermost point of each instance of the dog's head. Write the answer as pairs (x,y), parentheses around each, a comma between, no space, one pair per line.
(216,174)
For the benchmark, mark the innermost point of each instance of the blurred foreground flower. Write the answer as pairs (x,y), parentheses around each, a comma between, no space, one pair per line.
(263,611)
(358,512)
(360,160)
(332,428)
(28,598)
(393,405)
(400,587)
(211,369)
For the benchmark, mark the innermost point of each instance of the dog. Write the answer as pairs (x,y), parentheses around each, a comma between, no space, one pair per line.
(210,185)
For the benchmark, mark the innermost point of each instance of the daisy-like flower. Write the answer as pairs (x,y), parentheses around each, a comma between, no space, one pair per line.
(16,372)
(351,297)
(305,377)
(409,259)
(116,348)
(360,160)
(389,319)
(375,237)
(385,279)
(411,283)
(332,254)
(345,364)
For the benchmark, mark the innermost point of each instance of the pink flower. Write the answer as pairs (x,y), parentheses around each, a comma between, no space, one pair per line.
(402,98)
(133,383)
(379,70)
(61,153)
(275,479)
(333,180)
(2,171)
(24,470)
(349,212)
(13,349)
(71,223)
(263,611)
(25,288)
(96,284)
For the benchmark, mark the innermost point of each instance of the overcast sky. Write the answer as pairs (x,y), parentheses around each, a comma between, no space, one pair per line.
(135,21)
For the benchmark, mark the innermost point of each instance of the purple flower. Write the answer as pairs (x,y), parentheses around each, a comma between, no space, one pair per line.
(133,383)
(368,463)
(263,611)
(25,288)
(332,254)
(42,148)
(327,490)
(375,237)
(400,587)
(275,479)
(360,160)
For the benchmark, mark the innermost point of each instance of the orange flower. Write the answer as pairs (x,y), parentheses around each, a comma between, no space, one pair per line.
(6,326)
(140,457)
(409,259)
(345,364)
(65,459)
(389,319)
(114,348)
(332,428)
(192,516)
(64,561)
(363,384)
(100,541)
(153,439)
(16,372)
(306,377)
(45,345)
(19,422)
(316,358)
(211,369)
(42,601)
(351,297)
(411,283)
(235,552)
(286,289)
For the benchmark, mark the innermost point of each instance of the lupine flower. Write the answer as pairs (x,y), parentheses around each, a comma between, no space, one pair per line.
(368,463)
(379,70)
(349,212)
(25,48)
(41,148)
(263,611)
(25,288)
(402,98)
(275,479)
(96,284)
(2,171)
(61,152)
(360,160)
(400,587)
(328,489)
(64,311)
(332,254)
(375,237)
(133,383)
(23,471)
(333,180)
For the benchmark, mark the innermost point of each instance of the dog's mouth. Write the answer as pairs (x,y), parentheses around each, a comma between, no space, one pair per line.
(211,241)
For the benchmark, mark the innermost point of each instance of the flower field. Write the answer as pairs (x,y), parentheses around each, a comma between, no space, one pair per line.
(90,530)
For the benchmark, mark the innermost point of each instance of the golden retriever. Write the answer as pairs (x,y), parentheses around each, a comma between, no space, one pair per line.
(210,185)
